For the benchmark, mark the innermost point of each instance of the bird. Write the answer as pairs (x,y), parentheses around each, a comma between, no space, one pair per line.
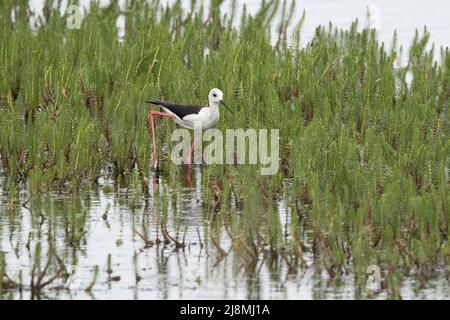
(189,115)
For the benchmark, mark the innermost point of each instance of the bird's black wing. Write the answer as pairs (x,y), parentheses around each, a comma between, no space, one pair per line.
(181,110)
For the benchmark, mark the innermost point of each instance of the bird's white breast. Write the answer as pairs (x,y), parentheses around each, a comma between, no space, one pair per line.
(205,119)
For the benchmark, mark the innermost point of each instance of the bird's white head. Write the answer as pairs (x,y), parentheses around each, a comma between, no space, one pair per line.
(215,98)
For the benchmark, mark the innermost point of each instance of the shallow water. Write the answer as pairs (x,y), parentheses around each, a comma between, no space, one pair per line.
(403,16)
(195,272)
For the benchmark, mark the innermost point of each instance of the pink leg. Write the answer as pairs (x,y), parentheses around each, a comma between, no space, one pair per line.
(152,123)
(188,160)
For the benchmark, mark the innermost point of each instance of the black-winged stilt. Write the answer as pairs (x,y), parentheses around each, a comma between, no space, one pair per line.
(189,116)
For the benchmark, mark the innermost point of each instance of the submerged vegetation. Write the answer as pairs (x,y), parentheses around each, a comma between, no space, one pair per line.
(364,139)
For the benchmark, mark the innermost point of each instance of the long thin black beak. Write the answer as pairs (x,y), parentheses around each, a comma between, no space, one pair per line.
(223,102)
